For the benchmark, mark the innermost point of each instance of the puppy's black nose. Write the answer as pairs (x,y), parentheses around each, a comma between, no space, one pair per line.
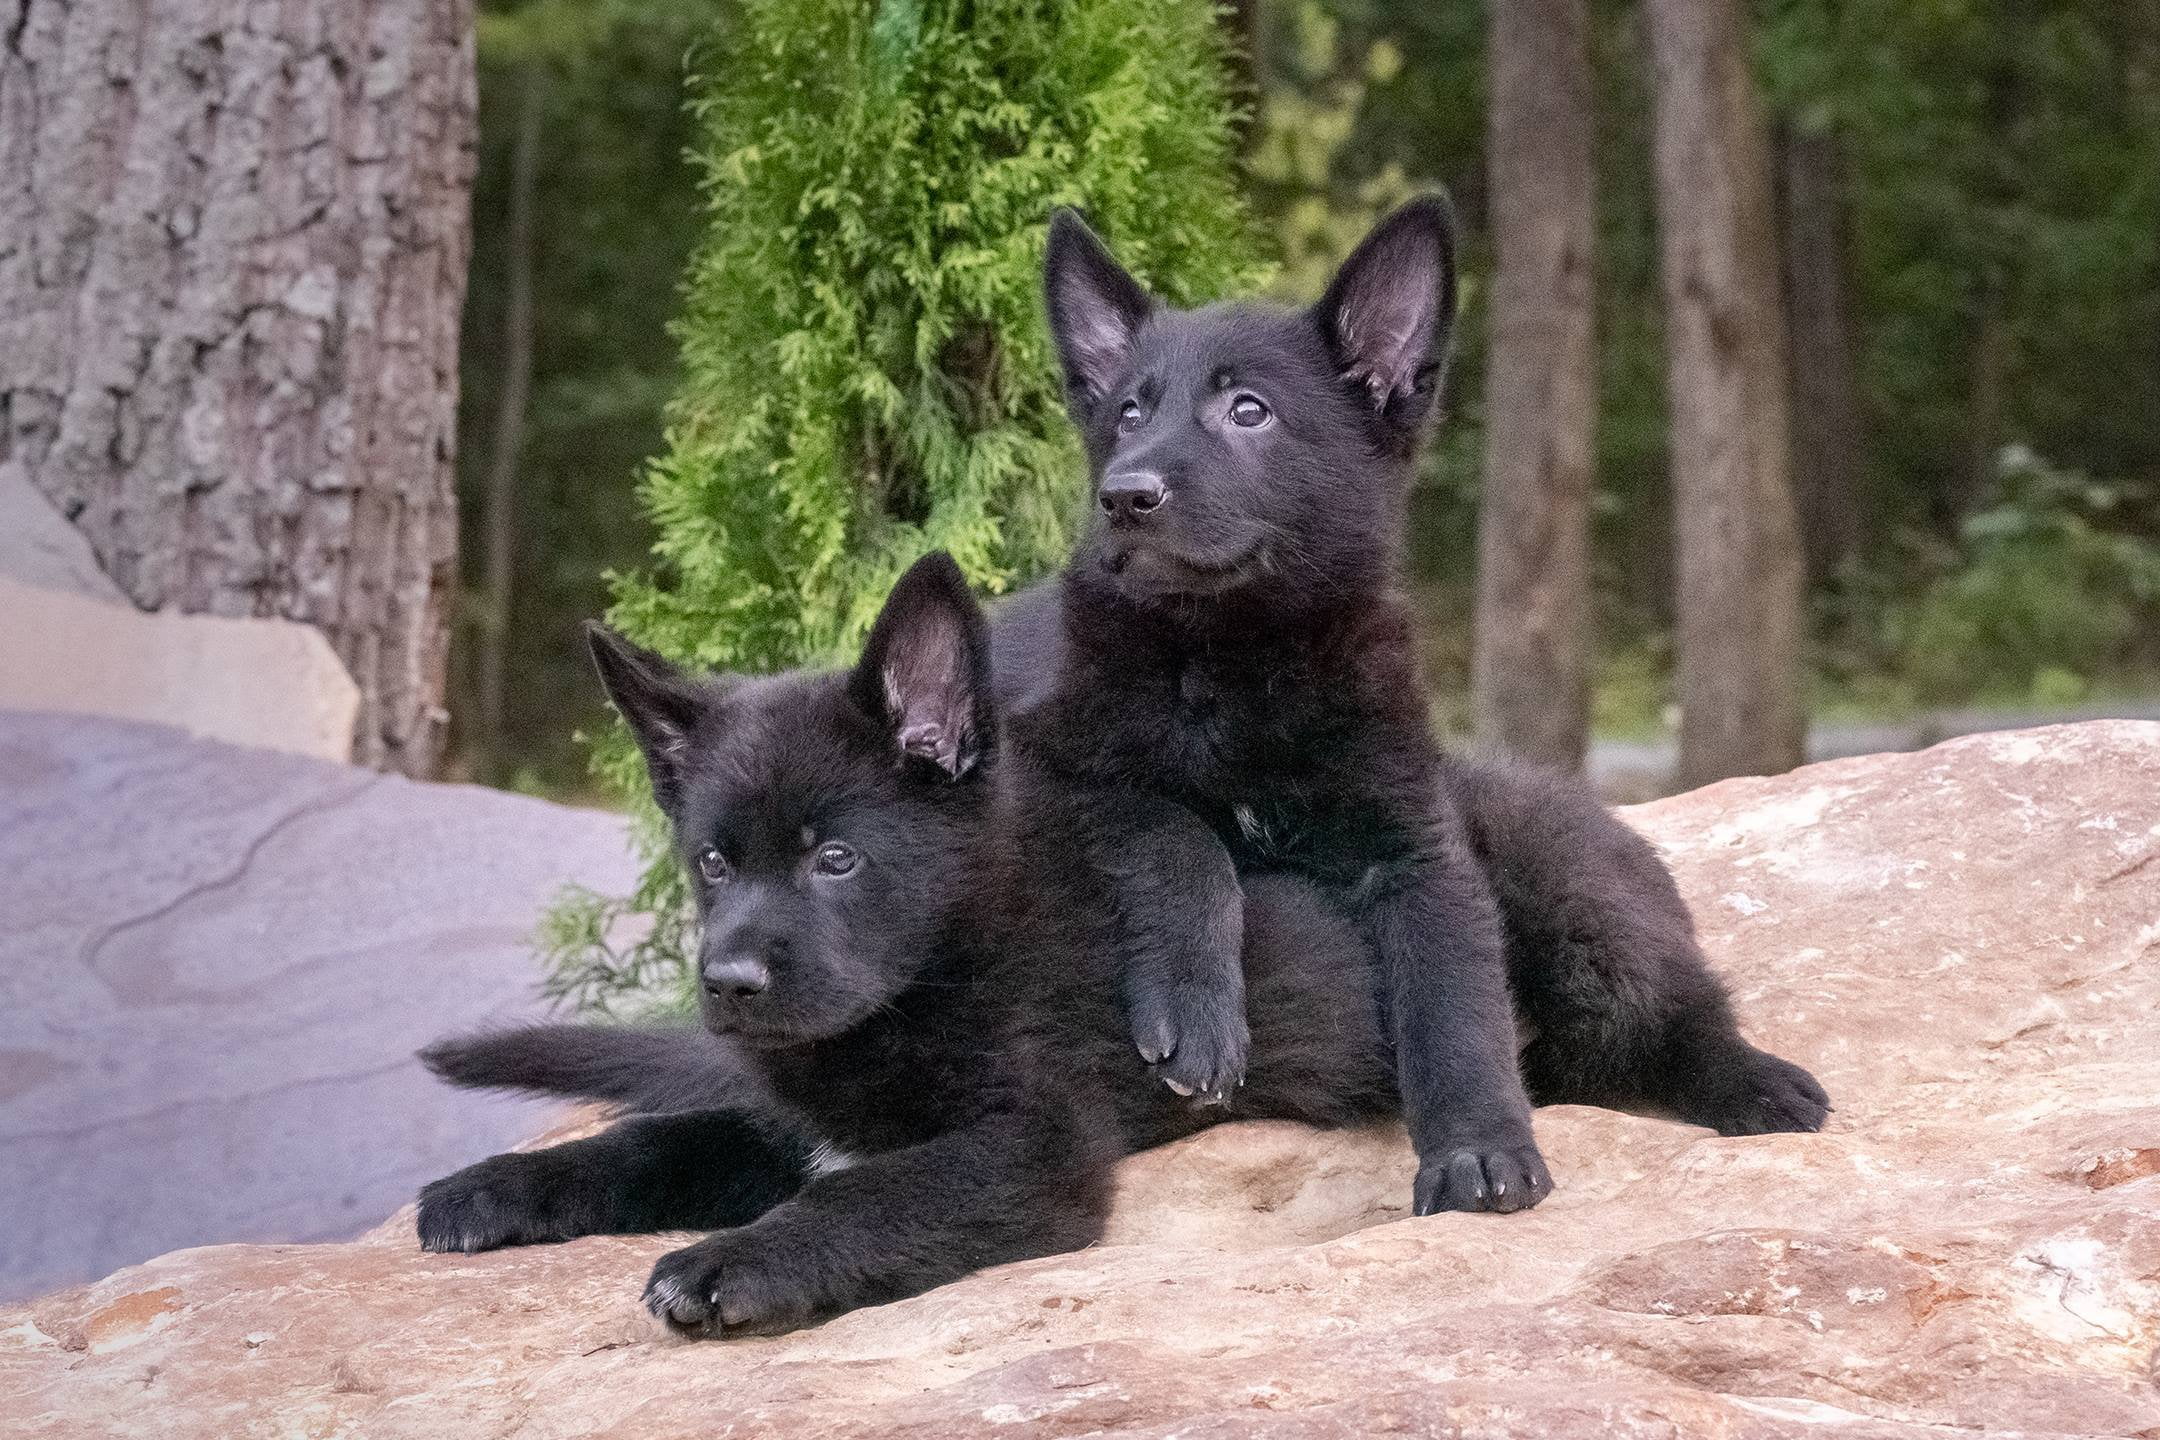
(739,977)
(1131,494)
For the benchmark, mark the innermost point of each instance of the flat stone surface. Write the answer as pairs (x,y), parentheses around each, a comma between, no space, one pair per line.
(275,684)
(215,965)
(1964,943)
(39,547)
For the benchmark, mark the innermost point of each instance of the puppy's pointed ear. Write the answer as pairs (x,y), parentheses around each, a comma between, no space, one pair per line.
(925,671)
(1389,312)
(1095,309)
(659,702)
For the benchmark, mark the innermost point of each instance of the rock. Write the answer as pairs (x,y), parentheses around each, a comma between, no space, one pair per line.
(71,642)
(273,683)
(1964,943)
(39,547)
(215,965)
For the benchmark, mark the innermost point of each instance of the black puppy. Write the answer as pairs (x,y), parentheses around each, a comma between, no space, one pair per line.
(1235,693)
(921,1066)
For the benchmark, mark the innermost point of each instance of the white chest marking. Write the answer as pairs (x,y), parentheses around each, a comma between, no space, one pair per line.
(828,1159)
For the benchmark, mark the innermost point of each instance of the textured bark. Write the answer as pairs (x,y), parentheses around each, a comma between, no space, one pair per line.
(232,253)
(1740,568)
(1829,447)
(1530,681)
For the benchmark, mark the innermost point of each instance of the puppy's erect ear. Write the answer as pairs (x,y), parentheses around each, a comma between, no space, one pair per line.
(1095,309)
(1388,313)
(925,670)
(660,703)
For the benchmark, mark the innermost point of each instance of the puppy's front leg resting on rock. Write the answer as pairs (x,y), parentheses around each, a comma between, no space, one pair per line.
(692,1171)
(1182,917)
(1435,931)
(1009,1187)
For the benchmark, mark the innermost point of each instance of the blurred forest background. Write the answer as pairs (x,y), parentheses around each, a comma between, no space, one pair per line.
(1967,215)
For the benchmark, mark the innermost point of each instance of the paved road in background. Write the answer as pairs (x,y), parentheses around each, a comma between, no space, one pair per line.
(215,964)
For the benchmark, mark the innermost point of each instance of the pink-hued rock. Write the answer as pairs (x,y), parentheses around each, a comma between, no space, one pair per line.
(1964,944)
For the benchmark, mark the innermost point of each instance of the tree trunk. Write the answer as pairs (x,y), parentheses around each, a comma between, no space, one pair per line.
(232,253)
(498,579)
(1530,674)
(1829,443)
(1740,567)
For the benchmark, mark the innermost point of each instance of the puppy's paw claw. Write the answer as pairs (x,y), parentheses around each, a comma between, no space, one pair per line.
(1769,1096)
(498,1202)
(721,1287)
(1466,1179)
(1197,1043)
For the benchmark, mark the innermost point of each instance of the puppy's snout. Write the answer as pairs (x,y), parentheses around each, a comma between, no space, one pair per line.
(737,977)
(1131,495)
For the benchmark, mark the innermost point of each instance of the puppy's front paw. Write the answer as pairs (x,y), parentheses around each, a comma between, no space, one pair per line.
(725,1285)
(1470,1179)
(1194,1038)
(500,1201)
(1766,1095)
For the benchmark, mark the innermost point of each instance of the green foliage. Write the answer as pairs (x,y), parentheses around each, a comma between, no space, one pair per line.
(2042,594)
(866,374)
(2004,164)
(617,201)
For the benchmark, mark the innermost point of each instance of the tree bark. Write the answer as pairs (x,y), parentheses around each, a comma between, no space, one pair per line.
(232,253)
(1740,569)
(1829,443)
(498,580)
(1530,671)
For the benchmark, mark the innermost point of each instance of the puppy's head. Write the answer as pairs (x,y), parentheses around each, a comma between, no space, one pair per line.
(827,821)
(1244,449)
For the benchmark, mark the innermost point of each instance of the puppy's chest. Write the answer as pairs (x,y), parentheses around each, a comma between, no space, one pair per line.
(898,1085)
(1250,747)
(1226,721)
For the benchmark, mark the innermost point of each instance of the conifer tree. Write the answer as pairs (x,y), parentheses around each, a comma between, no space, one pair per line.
(866,370)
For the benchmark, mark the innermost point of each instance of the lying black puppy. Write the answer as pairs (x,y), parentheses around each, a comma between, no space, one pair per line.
(922,1065)
(1234,691)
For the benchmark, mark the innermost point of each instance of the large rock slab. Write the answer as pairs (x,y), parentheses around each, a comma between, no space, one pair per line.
(215,964)
(71,641)
(1964,943)
(270,683)
(39,547)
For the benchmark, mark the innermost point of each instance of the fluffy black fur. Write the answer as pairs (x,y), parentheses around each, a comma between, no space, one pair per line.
(1236,693)
(918,1063)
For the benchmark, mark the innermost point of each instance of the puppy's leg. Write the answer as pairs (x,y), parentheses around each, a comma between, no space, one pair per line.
(696,1170)
(1623,1009)
(1011,1186)
(1435,934)
(1182,921)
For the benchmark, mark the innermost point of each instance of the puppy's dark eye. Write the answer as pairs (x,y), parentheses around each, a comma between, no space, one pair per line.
(834,858)
(1128,415)
(712,865)
(1249,411)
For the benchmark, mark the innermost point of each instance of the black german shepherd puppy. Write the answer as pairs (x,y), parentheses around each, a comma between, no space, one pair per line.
(1235,692)
(912,970)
